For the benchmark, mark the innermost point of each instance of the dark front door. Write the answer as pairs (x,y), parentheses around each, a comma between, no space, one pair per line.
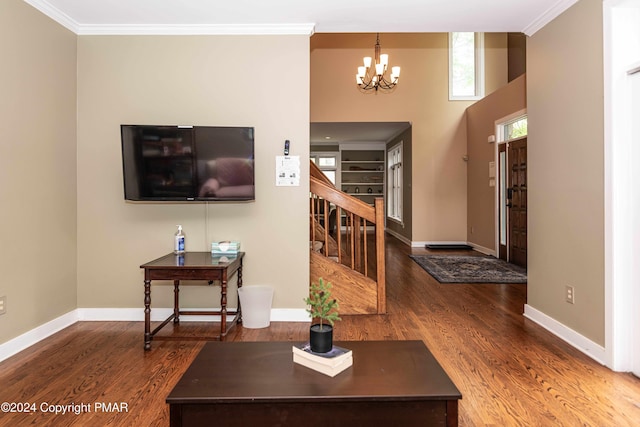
(517,195)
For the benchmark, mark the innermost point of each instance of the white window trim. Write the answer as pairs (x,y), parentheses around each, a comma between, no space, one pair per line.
(479,69)
(396,217)
(502,122)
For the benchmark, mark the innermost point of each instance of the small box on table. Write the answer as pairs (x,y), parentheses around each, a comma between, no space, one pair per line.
(225,247)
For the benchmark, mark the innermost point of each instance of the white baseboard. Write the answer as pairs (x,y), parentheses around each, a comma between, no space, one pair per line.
(573,338)
(35,335)
(289,315)
(482,249)
(160,314)
(137,315)
(115,314)
(15,345)
(31,337)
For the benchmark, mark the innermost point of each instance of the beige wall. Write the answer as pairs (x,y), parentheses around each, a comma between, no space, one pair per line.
(259,81)
(80,244)
(496,58)
(37,168)
(439,134)
(566,172)
(481,198)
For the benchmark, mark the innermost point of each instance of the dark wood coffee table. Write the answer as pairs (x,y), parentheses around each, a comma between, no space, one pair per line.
(257,384)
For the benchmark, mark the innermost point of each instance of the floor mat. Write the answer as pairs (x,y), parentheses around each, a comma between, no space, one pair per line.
(470,269)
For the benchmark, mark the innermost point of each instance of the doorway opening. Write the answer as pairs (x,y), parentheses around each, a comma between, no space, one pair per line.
(511,193)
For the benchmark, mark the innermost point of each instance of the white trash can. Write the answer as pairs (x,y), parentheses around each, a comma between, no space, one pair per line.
(256,306)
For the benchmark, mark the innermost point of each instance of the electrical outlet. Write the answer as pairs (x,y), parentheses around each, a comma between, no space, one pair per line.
(3,305)
(570,294)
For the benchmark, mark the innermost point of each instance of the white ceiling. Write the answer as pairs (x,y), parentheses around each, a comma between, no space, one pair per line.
(299,16)
(304,17)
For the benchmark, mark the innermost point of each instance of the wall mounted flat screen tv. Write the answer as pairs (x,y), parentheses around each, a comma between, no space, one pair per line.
(198,163)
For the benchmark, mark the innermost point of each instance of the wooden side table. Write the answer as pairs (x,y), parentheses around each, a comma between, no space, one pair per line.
(191,266)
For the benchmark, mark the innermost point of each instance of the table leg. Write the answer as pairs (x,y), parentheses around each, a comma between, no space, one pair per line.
(176,301)
(239,286)
(452,413)
(147,314)
(223,307)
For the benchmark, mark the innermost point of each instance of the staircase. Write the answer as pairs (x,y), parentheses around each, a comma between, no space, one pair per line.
(347,246)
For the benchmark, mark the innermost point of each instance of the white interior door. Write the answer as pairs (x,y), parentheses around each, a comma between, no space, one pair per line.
(622,182)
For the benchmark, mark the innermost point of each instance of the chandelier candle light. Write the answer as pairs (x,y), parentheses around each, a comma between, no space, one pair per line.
(377,77)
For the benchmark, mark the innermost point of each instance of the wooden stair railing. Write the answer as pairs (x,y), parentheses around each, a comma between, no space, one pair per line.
(345,232)
(317,173)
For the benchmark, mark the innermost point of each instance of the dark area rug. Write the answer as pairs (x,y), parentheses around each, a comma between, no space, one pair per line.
(470,269)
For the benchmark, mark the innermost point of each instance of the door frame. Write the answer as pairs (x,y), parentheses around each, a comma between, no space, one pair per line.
(500,141)
(502,181)
(633,230)
(620,56)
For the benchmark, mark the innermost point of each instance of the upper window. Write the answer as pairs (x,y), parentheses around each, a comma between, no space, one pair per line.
(466,66)
(515,129)
(328,164)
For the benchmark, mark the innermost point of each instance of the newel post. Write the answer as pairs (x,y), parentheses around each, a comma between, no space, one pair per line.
(380,266)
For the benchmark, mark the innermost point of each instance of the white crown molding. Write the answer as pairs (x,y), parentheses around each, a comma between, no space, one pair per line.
(306,29)
(221,30)
(55,14)
(65,20)
(549,15)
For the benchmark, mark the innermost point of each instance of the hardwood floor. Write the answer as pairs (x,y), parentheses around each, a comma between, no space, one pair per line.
(510,371)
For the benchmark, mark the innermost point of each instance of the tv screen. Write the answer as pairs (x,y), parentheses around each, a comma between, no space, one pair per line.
(198,163)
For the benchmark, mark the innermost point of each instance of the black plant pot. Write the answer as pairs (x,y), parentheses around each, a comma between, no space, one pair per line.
(321,340)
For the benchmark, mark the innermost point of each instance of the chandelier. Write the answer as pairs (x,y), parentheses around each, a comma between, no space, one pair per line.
(377,77)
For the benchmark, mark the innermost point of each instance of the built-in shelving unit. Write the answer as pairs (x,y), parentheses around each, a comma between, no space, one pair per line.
(363,174)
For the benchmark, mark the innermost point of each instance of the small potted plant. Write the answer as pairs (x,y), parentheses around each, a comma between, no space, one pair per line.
(324,308)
